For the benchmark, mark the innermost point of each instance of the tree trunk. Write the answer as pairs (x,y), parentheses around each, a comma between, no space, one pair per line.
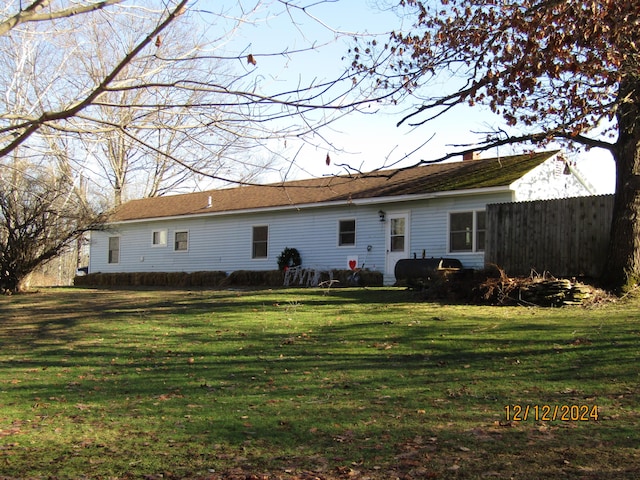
(623,267)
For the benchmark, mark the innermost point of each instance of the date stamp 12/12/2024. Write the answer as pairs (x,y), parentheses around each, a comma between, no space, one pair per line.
(550,413)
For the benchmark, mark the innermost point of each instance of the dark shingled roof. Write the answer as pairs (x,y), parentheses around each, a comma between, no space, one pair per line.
(441,177)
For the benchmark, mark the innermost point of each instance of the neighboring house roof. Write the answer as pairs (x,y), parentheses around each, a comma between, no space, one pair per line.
(429,179)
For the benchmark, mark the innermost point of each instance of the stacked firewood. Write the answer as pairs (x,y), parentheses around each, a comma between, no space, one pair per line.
(542,290)
(554,292)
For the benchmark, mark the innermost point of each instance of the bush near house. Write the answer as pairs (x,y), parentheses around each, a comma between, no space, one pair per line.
(213,279)
(151,279)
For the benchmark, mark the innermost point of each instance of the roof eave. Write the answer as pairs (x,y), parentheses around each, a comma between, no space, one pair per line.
(334,203)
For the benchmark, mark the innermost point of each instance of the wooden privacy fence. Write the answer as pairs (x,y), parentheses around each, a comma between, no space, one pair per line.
(566,237)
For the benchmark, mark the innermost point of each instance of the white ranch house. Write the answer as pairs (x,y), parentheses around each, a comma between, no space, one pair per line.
(370,220)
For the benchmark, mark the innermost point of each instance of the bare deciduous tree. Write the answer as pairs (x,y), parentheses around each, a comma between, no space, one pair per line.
(117,90)
(144,89)
(136,146)
(42,212)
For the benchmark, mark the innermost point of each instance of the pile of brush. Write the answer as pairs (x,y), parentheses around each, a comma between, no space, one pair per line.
(538,290)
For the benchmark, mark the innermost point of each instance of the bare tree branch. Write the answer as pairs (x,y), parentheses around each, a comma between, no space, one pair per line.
(31,127)
(35,13)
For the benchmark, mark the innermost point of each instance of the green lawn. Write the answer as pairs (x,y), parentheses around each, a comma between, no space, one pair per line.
(351,383)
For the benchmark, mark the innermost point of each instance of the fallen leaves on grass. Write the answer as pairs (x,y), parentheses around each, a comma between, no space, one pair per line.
(10,431)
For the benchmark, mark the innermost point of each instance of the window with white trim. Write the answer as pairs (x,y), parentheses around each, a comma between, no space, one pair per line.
(181,241)
(481,230)
(467,231)
(347,233)
(114,250)
(260,241)
(159,238)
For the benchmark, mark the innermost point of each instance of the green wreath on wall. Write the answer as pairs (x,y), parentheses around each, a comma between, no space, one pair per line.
(290,257)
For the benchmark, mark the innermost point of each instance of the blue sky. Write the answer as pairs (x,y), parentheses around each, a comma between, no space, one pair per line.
(363,141)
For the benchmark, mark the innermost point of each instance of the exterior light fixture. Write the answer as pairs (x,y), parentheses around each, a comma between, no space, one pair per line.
(381,214)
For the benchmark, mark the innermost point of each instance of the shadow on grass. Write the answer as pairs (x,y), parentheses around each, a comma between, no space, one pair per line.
(293,373)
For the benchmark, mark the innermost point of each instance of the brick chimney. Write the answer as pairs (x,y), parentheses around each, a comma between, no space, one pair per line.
(471,156)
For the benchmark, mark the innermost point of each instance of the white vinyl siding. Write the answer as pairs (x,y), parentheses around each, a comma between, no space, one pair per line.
(224,242)
(430,226)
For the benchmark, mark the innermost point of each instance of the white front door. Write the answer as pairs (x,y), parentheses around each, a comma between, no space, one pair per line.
(397,242)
